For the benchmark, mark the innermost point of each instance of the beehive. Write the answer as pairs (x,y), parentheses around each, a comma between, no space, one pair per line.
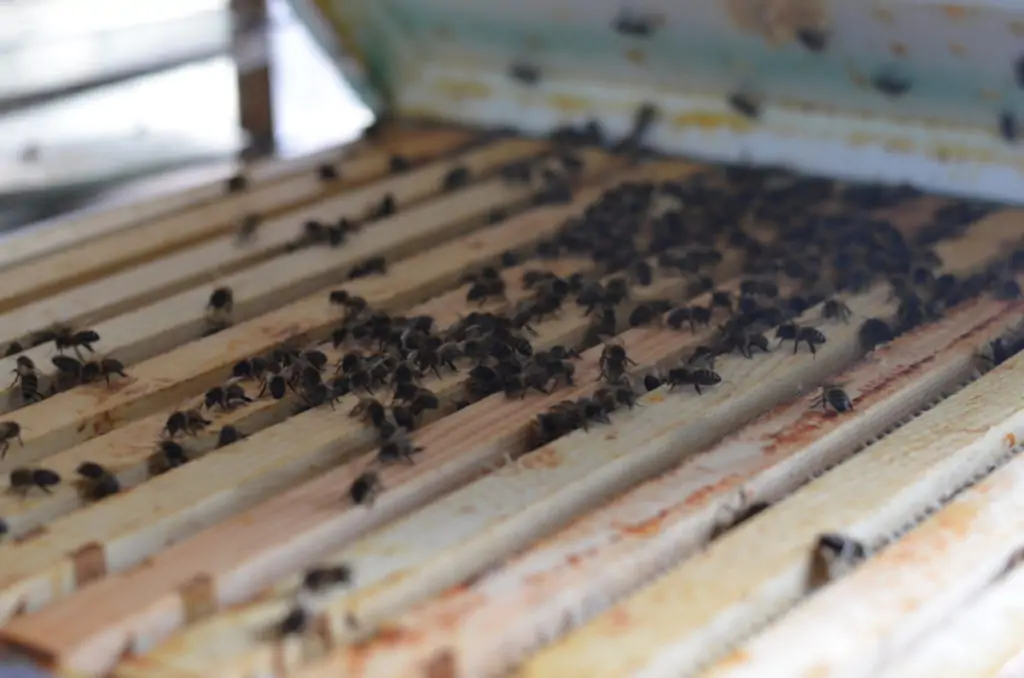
(626,547)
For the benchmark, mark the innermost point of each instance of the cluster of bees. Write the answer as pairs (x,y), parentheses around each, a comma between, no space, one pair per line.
(72,371)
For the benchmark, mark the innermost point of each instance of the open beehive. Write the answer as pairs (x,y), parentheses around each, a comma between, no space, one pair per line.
(680,534)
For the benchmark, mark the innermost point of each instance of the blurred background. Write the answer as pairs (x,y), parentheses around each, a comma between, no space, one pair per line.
(110,100)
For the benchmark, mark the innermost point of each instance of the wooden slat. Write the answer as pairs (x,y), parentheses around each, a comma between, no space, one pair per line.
(27,282)
(118,513)
(984,639)
(209,262)
(85,412)
(491,624)
(691,615)
(918,581)
(81,226)
(310,439)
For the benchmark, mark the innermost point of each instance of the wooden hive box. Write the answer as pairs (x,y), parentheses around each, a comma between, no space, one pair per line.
(693,516)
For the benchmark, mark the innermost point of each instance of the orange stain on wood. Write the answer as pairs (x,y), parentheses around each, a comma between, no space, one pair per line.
(1010,440)
(707,492)
(543,458)
(712,121)
(957,518)
(898,49)
(635,55)
(646,528)
(956,12)
(957,49)
(733,659)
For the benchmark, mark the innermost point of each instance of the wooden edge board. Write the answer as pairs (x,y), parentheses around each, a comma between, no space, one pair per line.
(110,514)
(984,639)
(311,517)
(52,273)
(74,416)
(83,225)
(490,624)
(206,262)
(916,582)
(504,512)
(126,451)
(691,615)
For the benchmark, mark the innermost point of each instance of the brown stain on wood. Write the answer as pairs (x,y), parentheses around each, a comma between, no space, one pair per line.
(706,493)
(957,12)
(777,21)
(89,563)
(441,665)
(34,533)
(646,528)
(198,598)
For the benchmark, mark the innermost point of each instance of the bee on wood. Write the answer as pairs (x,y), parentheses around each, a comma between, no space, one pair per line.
(559,420)
(398,163)
(65,337)
(684,376)
(647,314)
(455,178)
(635,25)
(836,309)
(27,376)
(832,396)
(372,411)
(101,483)
(873,333)
(483,290)
(228,435)
(247,228)
(236,183)
(813,39)
(747,512)
(294,623)
(613,362)
(172,454)
(398,448)
(318,579)
(372,266)
(810,336)
(384,208)
(652,382)
(23,479)
(745,105)
(721,299)
(891,85)
(524,73)
(221,301)
(353,305)
(643,273)
(833,556)
(326,172)
(365,489)
(226,397)
(1008,126)
(190,422)
(9,430)
(276,385)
